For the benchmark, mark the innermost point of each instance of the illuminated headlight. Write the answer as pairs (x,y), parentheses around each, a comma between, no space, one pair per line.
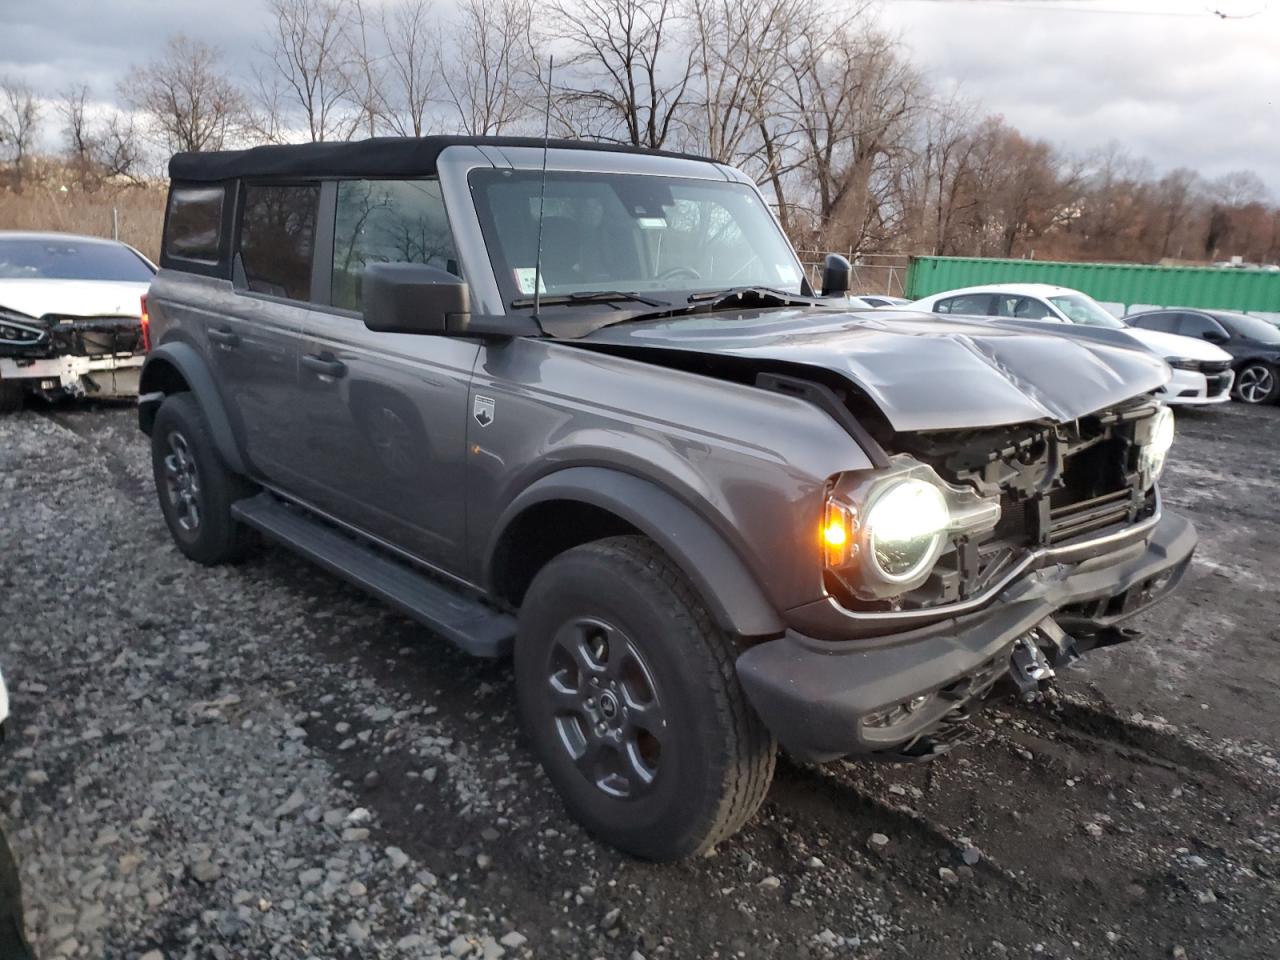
(883,531)
(1159,441)
(905,523)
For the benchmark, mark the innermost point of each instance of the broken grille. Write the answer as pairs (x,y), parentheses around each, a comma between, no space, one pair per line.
(1088,516)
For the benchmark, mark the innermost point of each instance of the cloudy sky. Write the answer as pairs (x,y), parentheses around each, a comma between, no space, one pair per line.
(1170,80)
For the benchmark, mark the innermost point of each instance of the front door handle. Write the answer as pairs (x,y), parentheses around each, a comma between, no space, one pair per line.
(325,365)
(224,337)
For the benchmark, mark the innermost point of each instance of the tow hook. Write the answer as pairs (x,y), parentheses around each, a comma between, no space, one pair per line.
(1029,668)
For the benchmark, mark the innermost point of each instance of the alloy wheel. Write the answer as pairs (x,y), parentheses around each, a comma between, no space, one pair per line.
(1255,384)
(606,707)
(182,482)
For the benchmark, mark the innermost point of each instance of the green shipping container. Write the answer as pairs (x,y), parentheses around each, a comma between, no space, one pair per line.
(1133,285)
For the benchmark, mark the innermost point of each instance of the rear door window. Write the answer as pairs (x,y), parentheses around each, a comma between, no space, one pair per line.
(973,304)
(193,228)
(387,221)
(277,238)
(1163,322)
(1022,308)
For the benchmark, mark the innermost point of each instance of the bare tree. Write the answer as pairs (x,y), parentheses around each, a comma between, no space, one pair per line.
(1174,198)
(306,72)
(80,144)
(364,65)
(740,49)
(855,99)
(189,101)
(634,71)
(109,149)
(487,65)
(409,78)
(944,164)
(119,153)
(19,123)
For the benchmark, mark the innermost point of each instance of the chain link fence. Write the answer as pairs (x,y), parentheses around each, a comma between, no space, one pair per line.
(883,273)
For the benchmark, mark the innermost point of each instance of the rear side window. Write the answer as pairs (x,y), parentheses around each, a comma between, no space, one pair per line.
(193,229)
(1164,322)
(1022,308)
(973,304)
(278,238)
(387,221)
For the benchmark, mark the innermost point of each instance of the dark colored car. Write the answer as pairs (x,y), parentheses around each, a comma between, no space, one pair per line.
(1254,345)
(580,405)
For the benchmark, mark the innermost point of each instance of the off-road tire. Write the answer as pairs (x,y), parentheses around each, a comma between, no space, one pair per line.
(717,758)
(215,537)
(12,395)
(1248,374)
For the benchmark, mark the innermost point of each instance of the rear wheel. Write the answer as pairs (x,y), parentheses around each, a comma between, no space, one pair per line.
(1257,382)
(195,488)
(11,396)
(628,692)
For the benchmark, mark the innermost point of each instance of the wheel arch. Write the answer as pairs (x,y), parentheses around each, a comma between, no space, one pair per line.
(579,504)
(177,367)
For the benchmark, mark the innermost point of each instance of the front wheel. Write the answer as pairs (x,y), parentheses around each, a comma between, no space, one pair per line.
(628,693)
(1257,382)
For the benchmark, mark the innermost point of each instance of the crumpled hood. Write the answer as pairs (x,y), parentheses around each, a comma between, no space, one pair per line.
(76,298)
(925,373)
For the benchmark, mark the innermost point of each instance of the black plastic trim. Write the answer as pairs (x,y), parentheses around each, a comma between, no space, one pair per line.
(192,367)
(730,590)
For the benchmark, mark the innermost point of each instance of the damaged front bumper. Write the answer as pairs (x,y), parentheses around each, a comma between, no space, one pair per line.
(900,694)
(58,355)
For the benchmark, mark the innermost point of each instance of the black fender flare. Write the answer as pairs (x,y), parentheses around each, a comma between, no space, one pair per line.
(731,591)
(187,362)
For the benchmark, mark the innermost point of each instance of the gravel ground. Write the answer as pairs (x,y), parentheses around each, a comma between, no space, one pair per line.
(258,761)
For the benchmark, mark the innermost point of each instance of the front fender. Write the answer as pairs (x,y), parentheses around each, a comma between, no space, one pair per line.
(726,585)
(170,367)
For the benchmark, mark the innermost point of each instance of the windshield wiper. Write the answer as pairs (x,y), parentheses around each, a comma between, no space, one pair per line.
(702,302)
(589,296)
(752,293)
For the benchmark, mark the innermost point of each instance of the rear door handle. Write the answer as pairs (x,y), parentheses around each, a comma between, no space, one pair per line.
(224,337)
(325,365)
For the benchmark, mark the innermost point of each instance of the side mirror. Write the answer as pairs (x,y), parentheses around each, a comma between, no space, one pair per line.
(1215,336)
(417,298)
(413,298)
(835,276)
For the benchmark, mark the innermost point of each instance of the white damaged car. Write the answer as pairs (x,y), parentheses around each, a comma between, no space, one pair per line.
(1201,371)
(70,316)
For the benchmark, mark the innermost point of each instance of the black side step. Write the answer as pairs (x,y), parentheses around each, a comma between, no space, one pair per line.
(474,627)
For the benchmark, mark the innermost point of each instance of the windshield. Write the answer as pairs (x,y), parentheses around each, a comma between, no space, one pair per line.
(57,259)
(631,233)
(1085,310)
(1255,328)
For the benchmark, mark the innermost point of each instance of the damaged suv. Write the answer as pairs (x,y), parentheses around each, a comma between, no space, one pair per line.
(581,404)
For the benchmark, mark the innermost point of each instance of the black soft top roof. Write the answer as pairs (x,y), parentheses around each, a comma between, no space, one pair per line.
(375,157)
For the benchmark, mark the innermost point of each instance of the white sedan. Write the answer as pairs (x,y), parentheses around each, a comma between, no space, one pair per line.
(876,300)
(70,316)
(1201,372)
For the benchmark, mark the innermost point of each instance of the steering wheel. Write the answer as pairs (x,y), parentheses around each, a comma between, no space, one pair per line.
(675,272)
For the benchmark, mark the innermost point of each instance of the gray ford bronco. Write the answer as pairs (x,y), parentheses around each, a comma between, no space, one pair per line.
(580,405)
